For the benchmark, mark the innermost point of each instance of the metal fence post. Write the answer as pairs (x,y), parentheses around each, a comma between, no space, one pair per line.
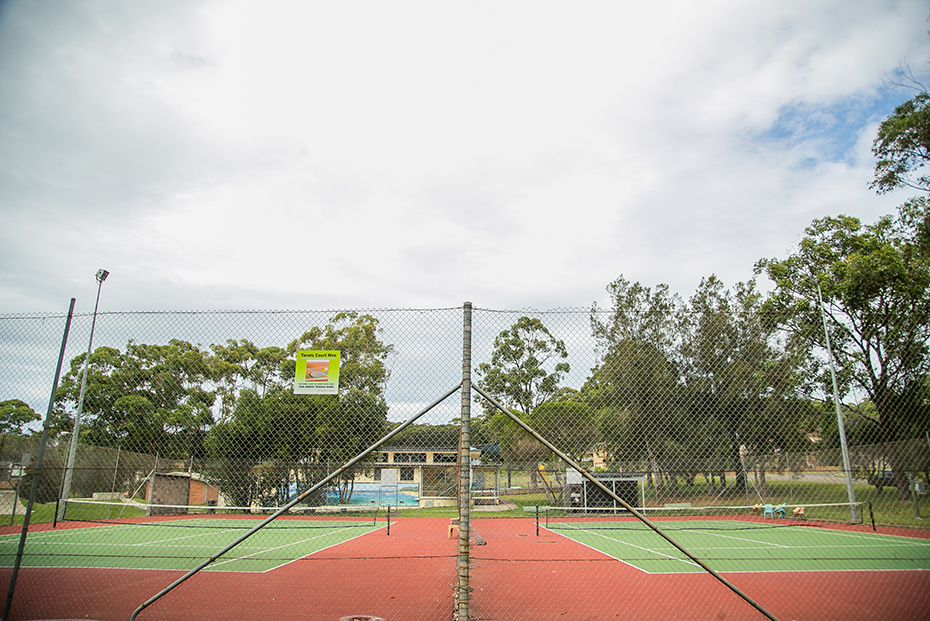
(463,589)
(37,474)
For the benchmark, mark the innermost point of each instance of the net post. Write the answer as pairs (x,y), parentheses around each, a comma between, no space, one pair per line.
(464,479)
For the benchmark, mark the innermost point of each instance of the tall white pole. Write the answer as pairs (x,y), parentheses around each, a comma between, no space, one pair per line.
(839,414)
(72,449)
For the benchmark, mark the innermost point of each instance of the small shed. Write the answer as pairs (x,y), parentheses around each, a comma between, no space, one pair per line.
(173,493)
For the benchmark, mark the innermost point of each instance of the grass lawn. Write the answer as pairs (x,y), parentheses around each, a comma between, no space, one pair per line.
(887,509)
(44,513)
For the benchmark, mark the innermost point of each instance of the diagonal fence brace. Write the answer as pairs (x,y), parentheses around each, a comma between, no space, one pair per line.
(288,506)
(642,518)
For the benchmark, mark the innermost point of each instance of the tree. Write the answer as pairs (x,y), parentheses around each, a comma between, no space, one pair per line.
(361,416)
(903,146)
(425,435)
(516,375)
(241,364)
(150,398)
(274,438)
(875,281)
(362,354)
(634,384)
(15,415)
(518,379)
(742,382)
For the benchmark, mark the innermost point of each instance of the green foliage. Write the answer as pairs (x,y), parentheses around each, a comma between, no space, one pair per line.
(516,445)
(903,147)
(362,354)
(425,436)
(875,281)
(569,425)
(516,376)
(274,438)
(234,403)
(634,385)
(150,398)
(241,364)
(15,415)
(700,387)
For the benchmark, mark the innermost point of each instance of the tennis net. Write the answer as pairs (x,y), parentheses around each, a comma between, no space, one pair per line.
(82,510)
(685,517)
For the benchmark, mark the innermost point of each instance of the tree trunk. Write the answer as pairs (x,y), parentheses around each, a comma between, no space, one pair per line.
(739,486)
(653,469)
(889,430)
(711,486)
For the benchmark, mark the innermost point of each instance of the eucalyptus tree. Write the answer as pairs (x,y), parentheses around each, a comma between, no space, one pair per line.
(149,398)
(741,379)
(240,364)
(527,365)
(517,375)
(902,146)
(15,414)
(635,384)
(875,282)
(275,438)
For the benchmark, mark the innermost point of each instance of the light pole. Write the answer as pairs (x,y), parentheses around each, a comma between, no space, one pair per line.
(850,493)
(72,450)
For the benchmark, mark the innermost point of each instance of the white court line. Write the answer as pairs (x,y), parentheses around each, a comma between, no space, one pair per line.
(157,541)
(701,532)
(287,545)
(338,543)
(885,539)
(870,540)
(64,531)
(649,550)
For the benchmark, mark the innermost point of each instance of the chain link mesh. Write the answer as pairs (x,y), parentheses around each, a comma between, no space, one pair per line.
(703,419)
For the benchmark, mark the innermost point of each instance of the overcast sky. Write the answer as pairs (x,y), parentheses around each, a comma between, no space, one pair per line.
(320,155)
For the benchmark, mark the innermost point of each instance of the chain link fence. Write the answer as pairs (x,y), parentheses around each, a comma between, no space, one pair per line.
(394,499)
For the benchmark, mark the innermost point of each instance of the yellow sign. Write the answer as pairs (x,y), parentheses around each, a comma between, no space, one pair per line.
(317,373)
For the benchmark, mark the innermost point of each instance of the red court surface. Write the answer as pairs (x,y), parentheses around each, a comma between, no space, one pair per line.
(410,575)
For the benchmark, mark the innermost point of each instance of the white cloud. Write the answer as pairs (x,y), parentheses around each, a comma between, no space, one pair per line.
(514,154)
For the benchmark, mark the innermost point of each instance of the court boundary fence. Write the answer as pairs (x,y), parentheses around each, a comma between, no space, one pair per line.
(632,401)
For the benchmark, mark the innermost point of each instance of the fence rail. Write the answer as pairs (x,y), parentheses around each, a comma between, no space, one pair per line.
(194,415)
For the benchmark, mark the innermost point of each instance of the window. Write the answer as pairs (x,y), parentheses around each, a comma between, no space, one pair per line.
(444,458)
(406,474)
(409,458)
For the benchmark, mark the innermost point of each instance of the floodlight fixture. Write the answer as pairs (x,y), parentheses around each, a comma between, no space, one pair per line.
(72,449)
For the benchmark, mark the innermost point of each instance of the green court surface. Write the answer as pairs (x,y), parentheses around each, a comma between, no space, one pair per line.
(182,544)
(751,548)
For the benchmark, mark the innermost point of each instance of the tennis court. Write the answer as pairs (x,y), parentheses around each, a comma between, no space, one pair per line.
(746,546)
(327,567)
(181,544)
